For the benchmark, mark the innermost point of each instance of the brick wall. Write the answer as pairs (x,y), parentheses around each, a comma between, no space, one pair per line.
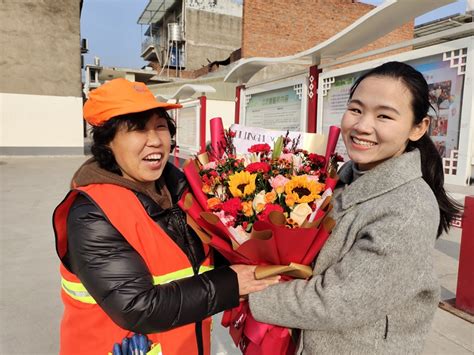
(279,27)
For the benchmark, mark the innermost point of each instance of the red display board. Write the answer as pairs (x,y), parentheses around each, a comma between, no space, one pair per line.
(465,287)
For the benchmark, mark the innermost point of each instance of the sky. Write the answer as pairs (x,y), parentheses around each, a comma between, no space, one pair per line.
(114,36)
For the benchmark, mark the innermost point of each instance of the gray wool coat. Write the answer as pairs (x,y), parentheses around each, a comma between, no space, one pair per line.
(374,287)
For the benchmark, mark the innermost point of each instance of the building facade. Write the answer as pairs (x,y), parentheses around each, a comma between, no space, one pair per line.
(285,28)
(40,90)
(189,34)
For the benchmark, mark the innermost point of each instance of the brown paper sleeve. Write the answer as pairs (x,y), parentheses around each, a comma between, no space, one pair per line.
(329,223)
(261,235)
(293,269)
(277,218)
(203,158)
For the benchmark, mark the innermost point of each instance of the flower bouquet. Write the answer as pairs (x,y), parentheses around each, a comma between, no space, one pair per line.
(266,207)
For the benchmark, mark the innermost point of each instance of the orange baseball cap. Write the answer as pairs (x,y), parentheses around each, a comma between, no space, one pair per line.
(120,97)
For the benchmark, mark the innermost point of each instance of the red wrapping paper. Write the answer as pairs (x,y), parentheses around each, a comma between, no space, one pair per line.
(217,137)
(333,136)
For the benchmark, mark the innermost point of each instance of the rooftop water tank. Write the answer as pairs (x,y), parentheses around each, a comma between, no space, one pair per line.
(174,32)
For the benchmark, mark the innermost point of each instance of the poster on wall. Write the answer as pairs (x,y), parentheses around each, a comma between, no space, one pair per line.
(278,109)
(445,89)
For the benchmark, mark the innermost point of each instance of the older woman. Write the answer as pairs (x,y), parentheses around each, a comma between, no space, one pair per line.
(129,262)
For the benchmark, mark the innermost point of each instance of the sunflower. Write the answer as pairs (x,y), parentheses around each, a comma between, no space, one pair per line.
(242,184)
(300,189)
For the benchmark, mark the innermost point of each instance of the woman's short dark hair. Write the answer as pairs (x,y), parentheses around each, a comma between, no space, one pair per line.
(104,134)
(431,162)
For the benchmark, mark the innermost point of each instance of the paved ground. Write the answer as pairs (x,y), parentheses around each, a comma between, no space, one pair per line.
(30,188)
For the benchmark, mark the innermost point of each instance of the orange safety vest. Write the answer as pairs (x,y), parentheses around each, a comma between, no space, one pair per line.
(85,327)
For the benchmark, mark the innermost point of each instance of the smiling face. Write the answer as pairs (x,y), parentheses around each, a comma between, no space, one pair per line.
(379,121)
(142,154)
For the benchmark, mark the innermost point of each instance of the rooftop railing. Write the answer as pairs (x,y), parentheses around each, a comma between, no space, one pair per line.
(150,41)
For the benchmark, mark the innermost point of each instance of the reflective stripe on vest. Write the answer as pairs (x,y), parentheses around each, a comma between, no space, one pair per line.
(77,291)
(155,350)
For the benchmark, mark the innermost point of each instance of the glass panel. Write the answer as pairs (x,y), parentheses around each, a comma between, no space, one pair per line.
(446,89)
(278,109)
(187,121)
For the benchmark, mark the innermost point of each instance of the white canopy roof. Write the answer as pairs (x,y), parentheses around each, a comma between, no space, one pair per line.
(376,23)
(185,92)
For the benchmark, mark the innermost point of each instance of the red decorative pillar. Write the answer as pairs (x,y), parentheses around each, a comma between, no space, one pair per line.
(202,124)
(238,90)
(313,81)
(465,287)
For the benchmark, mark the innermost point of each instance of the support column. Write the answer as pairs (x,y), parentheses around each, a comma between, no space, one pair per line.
(313,82)
(238,90)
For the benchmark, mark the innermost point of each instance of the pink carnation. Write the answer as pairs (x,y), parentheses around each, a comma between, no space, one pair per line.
(278,181)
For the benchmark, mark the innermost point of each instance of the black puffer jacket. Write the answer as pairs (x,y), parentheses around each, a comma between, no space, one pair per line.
(118,279)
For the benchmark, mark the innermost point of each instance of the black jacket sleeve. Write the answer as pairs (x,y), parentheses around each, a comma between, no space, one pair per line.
(118,279)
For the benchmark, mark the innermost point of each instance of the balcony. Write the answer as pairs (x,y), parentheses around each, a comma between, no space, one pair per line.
(148,48)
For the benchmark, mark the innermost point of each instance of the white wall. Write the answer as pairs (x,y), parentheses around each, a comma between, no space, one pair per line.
(39,121)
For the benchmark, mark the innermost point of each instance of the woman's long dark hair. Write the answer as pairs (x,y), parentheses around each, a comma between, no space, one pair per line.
(104,134)
(431,162)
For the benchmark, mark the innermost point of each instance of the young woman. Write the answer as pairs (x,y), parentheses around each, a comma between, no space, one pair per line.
(129,262)
(374,288)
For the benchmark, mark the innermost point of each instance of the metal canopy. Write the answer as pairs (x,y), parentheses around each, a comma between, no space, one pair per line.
(376,23)
(154,11)
(442,24)
(186,91)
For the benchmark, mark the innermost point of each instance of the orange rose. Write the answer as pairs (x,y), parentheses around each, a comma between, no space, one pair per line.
(213,203)
(247,208)
(270,197)
(290,200)
(206,188)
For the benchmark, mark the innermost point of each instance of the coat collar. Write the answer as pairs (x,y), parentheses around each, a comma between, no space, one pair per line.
(384,177)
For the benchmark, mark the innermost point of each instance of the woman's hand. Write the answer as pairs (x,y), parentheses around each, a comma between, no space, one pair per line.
(247,281)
